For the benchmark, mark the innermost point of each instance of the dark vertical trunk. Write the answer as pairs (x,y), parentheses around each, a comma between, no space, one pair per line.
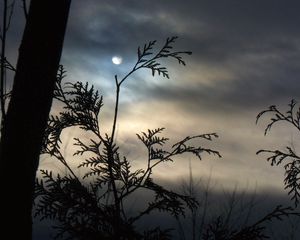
(26,119)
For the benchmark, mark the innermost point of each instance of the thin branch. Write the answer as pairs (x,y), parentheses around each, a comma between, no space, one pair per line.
(292,160)
(116,108)
(291,116)
(278,213)
(11,7)
(61,158)
(8,65)
(2,68)
(25,9)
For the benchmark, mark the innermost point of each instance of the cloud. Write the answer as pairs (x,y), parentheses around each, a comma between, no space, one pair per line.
(246,56)
(247,53)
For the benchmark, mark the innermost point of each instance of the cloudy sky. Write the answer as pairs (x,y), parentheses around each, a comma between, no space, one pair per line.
(246,57)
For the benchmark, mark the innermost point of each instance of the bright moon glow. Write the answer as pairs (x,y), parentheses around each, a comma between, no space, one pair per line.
(117,60)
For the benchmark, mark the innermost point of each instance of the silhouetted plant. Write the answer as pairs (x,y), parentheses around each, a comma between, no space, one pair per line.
(8,8)
(289,157)
(5,64)
(93,207)
(234,221)
(220,230)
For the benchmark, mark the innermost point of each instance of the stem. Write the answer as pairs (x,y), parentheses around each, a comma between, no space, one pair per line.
(63,161)
(116,109)
(147,173)
(118,200)
(117,217)
(2,70)
(111,162)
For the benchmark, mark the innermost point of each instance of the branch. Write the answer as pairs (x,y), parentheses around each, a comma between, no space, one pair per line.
(292,116)
(25,9)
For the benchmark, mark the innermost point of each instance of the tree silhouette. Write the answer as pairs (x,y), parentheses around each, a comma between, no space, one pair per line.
(219,229)
(93,207)
(289,157)
(28,111)
(235,223)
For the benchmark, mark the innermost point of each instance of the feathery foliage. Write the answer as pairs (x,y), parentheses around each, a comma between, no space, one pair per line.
(218,229)
(93,207)
(289,157)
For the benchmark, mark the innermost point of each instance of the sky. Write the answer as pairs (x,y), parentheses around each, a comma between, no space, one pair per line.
(246,57)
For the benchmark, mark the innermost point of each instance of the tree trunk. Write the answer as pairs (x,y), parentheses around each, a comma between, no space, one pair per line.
(28,111)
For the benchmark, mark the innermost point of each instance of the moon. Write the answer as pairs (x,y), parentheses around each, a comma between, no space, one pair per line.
(117,60)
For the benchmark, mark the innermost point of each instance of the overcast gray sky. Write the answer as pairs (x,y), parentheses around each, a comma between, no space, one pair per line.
(246,57)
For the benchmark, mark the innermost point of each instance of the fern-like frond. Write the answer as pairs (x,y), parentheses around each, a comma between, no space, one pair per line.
(166,51)
(184,146)
(292,116)
(82,105)
(150,138)
(292,170)
(166,201)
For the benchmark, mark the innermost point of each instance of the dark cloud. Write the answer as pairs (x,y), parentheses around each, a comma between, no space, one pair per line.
(239,207)
(257,41)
